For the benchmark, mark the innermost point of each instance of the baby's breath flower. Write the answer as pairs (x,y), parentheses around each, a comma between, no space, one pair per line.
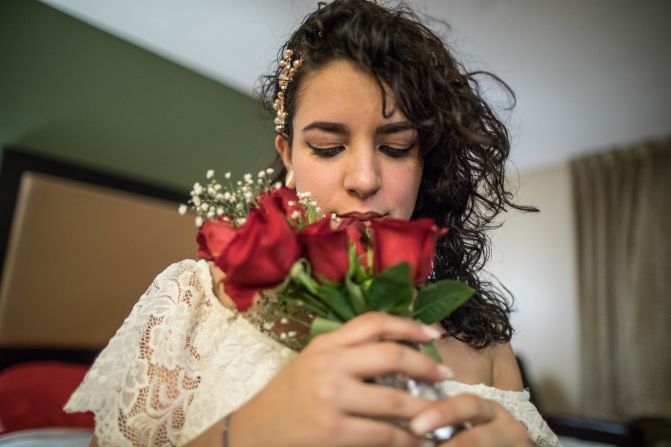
(210,191)
(277,185)
(199,221)
(182,209)
(220,211)
(269,171)
(284,320)
(248,196)
(239,183)
(261,174)
(204,206)
(210,214)
(291,203)
(217,187)
(210,173)
(196,201)
(227,175)
(219,197)
(197,189)
(248,178)
(296,214)
(227,195)
(240,221)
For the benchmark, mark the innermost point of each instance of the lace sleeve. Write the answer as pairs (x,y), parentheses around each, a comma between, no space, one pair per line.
(179,363)
(517,403)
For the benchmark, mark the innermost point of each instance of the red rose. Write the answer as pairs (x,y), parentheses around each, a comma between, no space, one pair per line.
(326,249)
(413,241)
(289,200)
(356,230)
(213,237)
(261,254)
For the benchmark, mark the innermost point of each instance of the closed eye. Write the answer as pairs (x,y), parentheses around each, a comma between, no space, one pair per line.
(325,152)
(397,152)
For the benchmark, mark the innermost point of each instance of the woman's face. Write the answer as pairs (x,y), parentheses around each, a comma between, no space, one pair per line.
(353,160)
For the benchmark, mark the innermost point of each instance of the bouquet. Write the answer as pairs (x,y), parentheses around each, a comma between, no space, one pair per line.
(298,274)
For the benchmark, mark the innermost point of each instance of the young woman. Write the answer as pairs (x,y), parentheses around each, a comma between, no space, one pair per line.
(376,120)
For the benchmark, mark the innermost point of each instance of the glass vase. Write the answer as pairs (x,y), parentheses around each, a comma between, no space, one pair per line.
(417,388)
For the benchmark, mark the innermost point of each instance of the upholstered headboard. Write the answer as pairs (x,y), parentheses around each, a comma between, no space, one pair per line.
(80,247)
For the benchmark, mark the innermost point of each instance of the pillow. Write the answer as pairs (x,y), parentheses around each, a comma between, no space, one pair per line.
(32,395)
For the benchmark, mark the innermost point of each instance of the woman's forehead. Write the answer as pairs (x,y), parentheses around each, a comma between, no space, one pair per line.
(343,92)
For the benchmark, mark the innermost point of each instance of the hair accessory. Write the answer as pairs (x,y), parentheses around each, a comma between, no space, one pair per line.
(288,69)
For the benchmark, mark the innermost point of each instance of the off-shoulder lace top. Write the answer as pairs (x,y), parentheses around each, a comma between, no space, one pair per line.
(181,361)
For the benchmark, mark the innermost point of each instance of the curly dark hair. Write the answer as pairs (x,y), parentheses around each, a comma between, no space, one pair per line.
(463,144)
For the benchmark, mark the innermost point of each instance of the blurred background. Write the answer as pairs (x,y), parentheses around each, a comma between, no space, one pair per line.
(159,91)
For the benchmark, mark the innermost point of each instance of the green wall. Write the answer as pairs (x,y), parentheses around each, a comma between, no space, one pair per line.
(75,92)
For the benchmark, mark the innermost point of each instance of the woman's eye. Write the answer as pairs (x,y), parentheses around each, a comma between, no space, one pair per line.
(397,152)
(325,152)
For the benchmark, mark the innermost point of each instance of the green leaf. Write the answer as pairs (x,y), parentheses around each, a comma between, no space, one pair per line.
(430,350)
(437,300)
(356,297)
(335,299)
(392,289)
(322,326)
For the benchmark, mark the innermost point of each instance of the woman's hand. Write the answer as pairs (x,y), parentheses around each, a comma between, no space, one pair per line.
(490,424)
(320,397)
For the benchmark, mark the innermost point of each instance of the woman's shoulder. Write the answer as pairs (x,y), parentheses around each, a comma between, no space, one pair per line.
(494,365)
(191,273)
(505,369)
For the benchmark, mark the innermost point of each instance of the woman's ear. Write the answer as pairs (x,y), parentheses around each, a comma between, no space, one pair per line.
(282,148)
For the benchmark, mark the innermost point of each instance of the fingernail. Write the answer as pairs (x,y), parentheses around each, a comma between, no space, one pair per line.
(445,372)
(422,424)
(431,331)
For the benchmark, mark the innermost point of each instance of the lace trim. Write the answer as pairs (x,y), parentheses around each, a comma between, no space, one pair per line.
(517,403)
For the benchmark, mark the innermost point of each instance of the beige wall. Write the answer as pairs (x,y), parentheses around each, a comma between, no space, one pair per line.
(534,256)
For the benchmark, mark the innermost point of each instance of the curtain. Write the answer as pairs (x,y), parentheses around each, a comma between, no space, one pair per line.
(623,221)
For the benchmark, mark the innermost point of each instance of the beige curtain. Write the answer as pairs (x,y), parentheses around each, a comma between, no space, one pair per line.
(623,218)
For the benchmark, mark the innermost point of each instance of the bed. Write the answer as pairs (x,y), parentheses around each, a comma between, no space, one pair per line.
(78,246)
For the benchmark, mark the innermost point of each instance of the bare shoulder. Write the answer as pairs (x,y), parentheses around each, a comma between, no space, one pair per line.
(506,372)
(470,365)
(494,365)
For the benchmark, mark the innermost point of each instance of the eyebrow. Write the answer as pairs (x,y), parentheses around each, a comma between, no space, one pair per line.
(385,129)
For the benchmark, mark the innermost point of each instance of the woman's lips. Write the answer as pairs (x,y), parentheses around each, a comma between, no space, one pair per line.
(369,215)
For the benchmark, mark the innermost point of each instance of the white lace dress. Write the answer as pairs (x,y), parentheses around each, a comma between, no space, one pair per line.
(180,362)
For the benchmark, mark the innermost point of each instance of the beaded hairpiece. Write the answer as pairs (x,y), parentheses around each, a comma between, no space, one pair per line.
(287,72)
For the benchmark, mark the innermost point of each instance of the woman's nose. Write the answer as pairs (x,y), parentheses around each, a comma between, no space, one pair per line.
(362,177)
